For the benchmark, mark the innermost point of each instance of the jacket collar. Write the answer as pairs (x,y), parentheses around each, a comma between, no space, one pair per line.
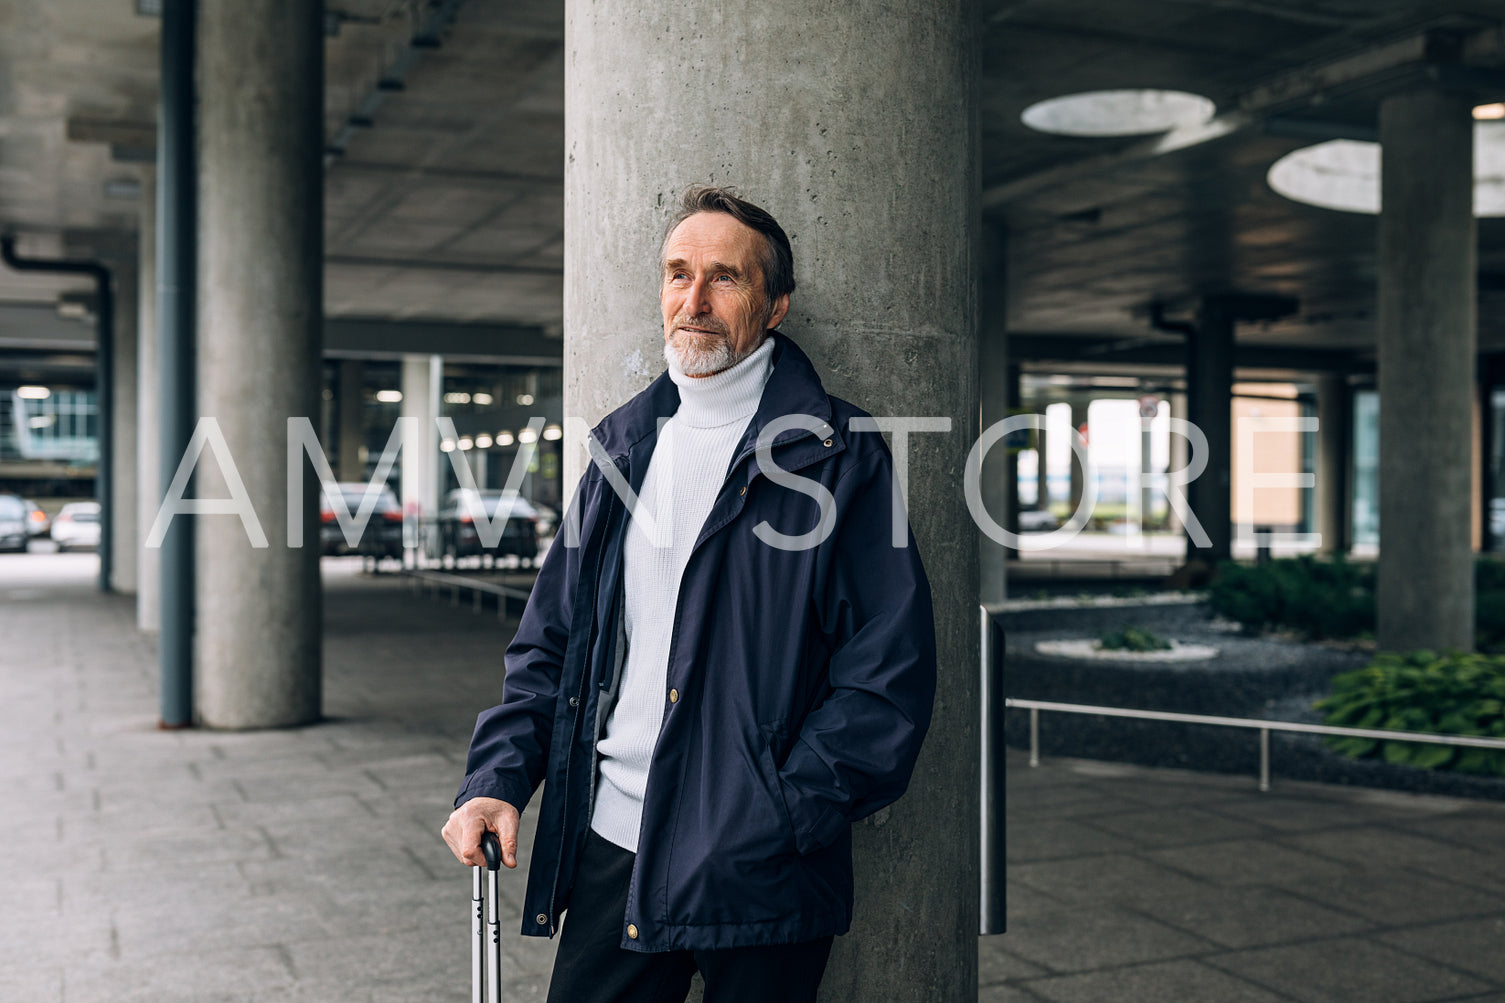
(793,388)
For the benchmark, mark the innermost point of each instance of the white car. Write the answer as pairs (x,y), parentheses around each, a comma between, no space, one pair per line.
(76,526)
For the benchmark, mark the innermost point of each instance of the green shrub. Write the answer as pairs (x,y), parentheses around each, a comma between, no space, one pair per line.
(1133,639)
(1317,597)
(1453,694)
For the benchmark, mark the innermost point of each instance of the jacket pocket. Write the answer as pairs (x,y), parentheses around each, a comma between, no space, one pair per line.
(775,790)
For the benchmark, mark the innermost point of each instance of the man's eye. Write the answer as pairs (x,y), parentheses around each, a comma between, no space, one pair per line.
(724,278)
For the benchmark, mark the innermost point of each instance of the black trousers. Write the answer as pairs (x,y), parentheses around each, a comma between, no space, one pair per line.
(591,966)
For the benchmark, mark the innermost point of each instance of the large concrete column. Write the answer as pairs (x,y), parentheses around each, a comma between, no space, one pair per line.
(260,338)
(148,422)
(352,420)
(1427,335)
(853,122)
(1334,418)
(123,488)
(422,384)
(1209,395)
(996,385)
(1078,480)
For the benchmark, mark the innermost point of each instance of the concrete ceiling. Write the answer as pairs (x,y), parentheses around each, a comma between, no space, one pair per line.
(446,201)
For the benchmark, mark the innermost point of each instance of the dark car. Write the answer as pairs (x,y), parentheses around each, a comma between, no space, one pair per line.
(13,518)
(460,537)
(383,533)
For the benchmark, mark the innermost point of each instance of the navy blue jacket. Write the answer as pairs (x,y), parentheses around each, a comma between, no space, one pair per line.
(804,679)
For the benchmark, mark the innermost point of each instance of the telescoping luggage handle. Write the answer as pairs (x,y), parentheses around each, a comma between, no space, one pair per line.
(486,925)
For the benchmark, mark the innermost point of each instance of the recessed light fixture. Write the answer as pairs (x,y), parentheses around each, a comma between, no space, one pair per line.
(525,399)
(33,393)
(527,435)
(553,433)
(1344,174)
(483,441)
(1489,112)
(389,396)
(1139,112)
(482,399)
(504,438)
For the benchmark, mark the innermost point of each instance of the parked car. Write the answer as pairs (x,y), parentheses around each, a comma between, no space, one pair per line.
(383,533)
(37,523)
(459,536)
(13,534)
(76,526)
(1038,520)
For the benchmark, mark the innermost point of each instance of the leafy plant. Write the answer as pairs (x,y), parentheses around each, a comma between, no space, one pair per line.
(1452,694)
(1133,639)
(1317,597)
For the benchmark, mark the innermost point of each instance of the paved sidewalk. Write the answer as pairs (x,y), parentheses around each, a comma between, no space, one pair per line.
(306,865)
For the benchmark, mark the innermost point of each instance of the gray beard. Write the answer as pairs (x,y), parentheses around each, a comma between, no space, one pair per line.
(695,361)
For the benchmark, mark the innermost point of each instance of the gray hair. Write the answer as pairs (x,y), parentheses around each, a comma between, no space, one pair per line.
(777,258)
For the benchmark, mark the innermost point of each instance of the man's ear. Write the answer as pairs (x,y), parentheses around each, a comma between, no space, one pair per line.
(779,311)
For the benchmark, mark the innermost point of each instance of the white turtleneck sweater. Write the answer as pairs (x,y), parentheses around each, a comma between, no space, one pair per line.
(688,467)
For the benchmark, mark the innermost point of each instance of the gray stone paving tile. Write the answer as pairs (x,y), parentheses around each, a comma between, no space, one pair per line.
(1396,895)
(1288,814)
(995,963)
(1475,945)
(1047,839)
(34,983)
(1483,832)
(1239,917)
(1167,980)
(1347,970)
(1248,862)
(1376,846)
(1117,878)
(1187,824)
(1005,994)
(1096,936)
(197,976)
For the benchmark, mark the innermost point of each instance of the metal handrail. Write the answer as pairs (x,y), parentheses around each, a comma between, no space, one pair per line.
(1264,728)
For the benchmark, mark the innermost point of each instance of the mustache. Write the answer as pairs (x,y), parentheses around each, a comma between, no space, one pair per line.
(707,323)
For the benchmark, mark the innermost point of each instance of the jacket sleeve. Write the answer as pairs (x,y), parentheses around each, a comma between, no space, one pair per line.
(510,745)
(857,748)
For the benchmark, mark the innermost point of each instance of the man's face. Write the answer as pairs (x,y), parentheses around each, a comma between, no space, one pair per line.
(714,305)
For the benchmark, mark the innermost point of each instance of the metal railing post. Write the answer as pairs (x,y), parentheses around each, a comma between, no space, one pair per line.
(993,914)
(1264,759)
(1034,736)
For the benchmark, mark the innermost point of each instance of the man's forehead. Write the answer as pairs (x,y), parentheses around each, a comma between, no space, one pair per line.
(714,232)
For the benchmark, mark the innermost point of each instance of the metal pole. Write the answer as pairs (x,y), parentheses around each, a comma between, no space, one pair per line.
(993,913)
(176,311)
(1034,736)
(1264,759)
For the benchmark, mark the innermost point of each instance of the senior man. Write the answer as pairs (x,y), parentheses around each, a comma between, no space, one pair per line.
(728,665)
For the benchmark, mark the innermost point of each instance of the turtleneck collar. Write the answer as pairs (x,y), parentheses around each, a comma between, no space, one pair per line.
(730,395)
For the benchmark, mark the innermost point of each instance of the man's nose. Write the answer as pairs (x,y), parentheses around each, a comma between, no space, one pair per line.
(696,302)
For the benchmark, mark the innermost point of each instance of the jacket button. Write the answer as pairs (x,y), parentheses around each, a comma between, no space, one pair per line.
(542,918)
(743,491)
(674,696)
(632,932)
(828,442)
(574,701)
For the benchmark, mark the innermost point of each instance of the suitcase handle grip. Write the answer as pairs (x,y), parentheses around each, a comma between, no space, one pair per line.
(493,851)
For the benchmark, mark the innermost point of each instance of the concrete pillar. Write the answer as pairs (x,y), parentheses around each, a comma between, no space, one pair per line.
(1078,475)
(853,122)
(148,425)
(995,390)
(352,419)
(1042,466)
(123,489)
(1209,393)
(260,340)
(422,383)
(1427,336)
(1180,452)
(1334,420)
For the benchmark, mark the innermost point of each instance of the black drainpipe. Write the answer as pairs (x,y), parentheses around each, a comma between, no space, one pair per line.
(104,382)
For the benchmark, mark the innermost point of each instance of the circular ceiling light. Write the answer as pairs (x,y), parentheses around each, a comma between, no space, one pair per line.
(1344,174)
(1118,113)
